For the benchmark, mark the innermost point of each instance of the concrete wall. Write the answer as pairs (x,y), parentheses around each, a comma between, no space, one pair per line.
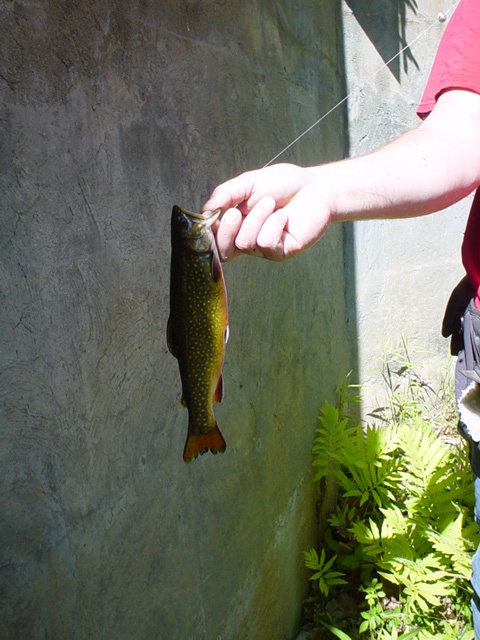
(110,114)
(403,271)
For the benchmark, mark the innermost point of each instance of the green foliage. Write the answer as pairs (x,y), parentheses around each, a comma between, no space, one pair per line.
(323,574)
(401,533)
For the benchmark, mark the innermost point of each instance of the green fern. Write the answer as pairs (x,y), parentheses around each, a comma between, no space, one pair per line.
(402,518)
(372,468)
(325,577)
(326,444)
(455,542)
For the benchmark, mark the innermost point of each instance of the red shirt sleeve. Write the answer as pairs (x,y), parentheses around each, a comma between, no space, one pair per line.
(457,63)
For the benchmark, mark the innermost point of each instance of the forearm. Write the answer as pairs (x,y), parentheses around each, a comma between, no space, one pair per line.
(423,171)
(283,209)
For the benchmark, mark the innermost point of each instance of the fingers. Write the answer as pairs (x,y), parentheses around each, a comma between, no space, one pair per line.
(281,181)
(261,233)
(279,234)
(237,233)
(271,233)
(226,232)
(247,237)
(231,193)
(271,239)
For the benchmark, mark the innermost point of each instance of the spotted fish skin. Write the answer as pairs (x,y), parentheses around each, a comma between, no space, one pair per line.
(198,325)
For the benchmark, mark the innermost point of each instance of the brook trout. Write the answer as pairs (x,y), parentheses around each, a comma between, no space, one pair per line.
(198,325)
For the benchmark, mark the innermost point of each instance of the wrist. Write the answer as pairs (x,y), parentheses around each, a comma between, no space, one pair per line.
(320,179)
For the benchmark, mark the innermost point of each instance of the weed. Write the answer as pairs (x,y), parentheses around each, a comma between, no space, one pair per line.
(398,533)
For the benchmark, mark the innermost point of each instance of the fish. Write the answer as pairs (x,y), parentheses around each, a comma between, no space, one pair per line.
(197,329)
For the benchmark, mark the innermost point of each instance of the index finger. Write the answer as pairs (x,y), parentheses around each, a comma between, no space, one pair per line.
(231,193)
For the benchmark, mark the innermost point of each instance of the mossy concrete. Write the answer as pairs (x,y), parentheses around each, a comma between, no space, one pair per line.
(110,114)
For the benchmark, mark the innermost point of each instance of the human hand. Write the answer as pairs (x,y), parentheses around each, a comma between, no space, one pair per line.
(274,213)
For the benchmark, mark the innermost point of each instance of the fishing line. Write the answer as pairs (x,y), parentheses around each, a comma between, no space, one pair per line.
(441,17)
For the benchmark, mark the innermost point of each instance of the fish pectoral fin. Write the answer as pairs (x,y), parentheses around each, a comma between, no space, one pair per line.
(218,395)
(170,340)
(215,267)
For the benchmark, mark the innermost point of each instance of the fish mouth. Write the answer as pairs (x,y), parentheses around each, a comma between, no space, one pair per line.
(207,217)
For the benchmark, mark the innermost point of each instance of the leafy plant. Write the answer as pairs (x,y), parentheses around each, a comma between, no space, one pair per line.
(399,537)
(323,574)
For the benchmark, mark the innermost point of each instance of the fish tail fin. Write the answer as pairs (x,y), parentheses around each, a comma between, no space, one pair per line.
(197,444)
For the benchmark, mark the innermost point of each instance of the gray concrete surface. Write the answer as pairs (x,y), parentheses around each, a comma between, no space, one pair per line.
(402,271)
(110,114)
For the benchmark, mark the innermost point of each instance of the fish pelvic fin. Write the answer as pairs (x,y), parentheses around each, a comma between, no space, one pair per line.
(198,444)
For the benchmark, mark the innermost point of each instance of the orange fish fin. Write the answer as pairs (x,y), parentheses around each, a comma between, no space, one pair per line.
(218,395)
(196,445)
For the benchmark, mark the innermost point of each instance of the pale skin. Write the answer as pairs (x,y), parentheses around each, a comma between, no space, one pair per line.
(280,211)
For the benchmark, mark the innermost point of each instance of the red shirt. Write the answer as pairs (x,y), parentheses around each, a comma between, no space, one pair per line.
(457,66)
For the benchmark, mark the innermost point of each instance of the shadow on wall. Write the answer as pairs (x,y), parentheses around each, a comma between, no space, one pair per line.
(385,25)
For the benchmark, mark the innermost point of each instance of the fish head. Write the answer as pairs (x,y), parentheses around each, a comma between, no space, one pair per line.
(194,229)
